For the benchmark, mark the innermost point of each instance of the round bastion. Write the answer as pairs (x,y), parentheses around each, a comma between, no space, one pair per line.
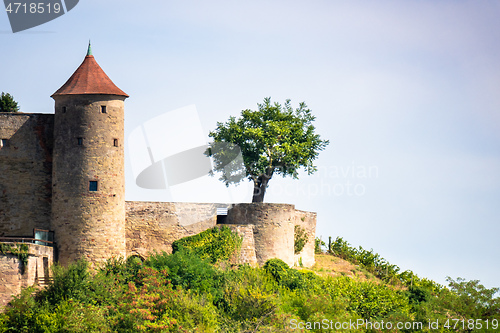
(273,228)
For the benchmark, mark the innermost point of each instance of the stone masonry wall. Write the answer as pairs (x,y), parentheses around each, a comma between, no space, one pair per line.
(307,221)
(25,172)
(247,253)
(88,146)
(267,229)
(12,281)
(156,225)
(273,228)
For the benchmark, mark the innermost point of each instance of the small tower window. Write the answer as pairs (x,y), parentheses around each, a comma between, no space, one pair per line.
(4,143)
(103,108)
(93,186)
(115,142)
(64,109)
(221,215)
(80,141)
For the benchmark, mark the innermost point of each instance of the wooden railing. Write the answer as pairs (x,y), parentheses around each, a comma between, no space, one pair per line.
(32,240)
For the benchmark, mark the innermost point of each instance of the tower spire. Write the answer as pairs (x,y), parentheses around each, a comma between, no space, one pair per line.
(89,50)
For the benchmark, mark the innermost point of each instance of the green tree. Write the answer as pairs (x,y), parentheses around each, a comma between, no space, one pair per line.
(7,103)
(275,139)
(470,299)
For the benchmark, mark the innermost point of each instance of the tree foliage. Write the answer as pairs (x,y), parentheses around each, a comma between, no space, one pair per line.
(274,140)
(470,299)
(7,103)
(180,292)
(378,266)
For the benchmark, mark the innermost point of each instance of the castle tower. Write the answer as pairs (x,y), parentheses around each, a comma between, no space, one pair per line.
(88,180)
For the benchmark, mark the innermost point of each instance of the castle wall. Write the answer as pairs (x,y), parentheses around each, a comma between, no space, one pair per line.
(307,221)
(267,229)
(273,228)
(247,253)
(25,172)
(156,225)
(12,278)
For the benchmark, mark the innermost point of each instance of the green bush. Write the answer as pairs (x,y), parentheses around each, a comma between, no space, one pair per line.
(417,295)
(19,315)
(124,269)
(72,282)
(3,322)
(378,266)
(183,293)
(296,279)
(25,314)
(185,269)
(470,299)
(277,268)
(71,316)
(250,301)
(300,239)
(154,306)
(367,299)
(216,244)
(316,307)
(318,246)
(288,277)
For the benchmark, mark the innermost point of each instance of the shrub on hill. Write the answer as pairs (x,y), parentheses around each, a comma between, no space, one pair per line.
(378,266)
(185,269)
(182,292)
(216,244)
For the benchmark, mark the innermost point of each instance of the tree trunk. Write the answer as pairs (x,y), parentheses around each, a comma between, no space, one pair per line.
(259,188)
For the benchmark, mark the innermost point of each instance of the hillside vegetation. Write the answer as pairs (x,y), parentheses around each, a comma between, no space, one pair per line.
(199,288)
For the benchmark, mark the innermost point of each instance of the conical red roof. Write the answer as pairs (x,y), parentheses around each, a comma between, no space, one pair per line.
(89,78)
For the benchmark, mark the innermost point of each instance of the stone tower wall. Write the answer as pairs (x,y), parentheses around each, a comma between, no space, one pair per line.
(307,221)
(247,251)
(25,172)
(88,224)
(273,229)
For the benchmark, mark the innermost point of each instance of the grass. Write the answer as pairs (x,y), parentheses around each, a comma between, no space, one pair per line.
(328,265)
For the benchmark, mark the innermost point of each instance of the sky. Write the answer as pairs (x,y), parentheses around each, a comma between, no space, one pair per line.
(407,93)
